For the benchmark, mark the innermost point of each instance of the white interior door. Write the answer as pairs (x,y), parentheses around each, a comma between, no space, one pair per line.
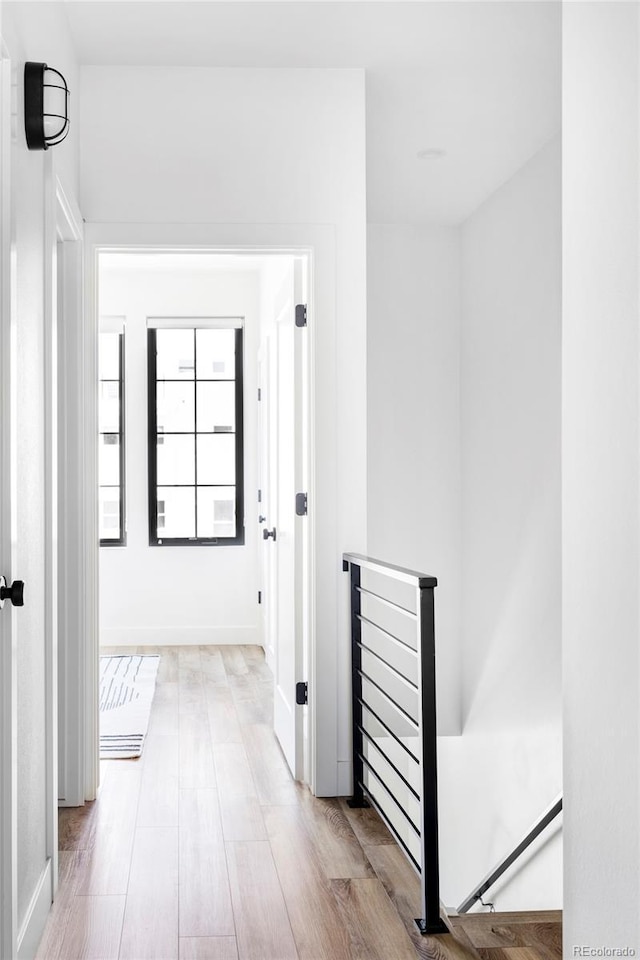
(8,663)
(283,416)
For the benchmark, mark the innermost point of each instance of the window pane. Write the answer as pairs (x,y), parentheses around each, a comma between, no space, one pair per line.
(216,407)
(216,351)
(216,511)
(109,356)
(175,407)
(109,513)
(176,512)
(216,459)
(109,460)
(109,407)
(174,355)
(176,462)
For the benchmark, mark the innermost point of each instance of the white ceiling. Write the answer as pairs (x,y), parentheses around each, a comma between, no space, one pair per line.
(479,80)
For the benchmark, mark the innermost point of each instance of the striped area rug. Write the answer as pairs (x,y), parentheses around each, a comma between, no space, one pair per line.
(127,685)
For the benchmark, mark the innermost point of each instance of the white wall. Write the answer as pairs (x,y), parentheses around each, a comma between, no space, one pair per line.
(176,595)
(33,32)
(241,154)
(464,429)
(600,475)
(413,358)
(39,31)
(506,768)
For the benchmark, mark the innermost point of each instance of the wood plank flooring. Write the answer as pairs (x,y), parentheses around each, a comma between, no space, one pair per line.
(206,849)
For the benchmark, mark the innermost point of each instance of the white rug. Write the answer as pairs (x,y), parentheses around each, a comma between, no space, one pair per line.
(127,685)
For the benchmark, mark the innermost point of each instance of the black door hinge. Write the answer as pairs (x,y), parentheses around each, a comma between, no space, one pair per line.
(259,596)
(302,694)
(301,314)
(259,394)
(259,496)
(301,504)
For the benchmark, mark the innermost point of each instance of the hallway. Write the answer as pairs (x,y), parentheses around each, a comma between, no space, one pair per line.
(205,849)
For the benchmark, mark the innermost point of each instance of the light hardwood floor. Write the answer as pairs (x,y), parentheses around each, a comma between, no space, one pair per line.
(205,849)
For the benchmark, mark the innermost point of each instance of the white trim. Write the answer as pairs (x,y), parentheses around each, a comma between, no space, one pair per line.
(201,323)
(36,915)
(345,778)
(178,636)
(319,242)
(8,656)
(111,324)
(79,752)
(50,419)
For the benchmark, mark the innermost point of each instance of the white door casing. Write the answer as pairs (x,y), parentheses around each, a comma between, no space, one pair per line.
(317,243)
(266,566)
(77,761)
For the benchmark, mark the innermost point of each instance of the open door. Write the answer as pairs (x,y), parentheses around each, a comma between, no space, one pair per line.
(283,475)
(8,667)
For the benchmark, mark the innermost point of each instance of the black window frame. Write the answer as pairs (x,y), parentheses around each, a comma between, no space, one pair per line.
(120,541)
(152,448)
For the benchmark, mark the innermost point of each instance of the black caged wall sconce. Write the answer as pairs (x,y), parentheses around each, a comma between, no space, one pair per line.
(46,106)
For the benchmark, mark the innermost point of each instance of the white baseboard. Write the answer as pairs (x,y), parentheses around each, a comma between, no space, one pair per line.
(178,636)
(344,778)
(32,928)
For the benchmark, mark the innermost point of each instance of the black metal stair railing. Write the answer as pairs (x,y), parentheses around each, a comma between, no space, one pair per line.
(394,713)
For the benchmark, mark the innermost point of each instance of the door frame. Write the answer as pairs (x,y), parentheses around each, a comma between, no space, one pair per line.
(8,658)
(266,576)
(324,575)
(70,675)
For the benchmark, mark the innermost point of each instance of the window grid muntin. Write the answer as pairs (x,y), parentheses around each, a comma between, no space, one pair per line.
(153,434)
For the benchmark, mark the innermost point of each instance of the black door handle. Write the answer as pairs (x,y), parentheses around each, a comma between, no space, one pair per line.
(14,593)
(261,519)
(269,533)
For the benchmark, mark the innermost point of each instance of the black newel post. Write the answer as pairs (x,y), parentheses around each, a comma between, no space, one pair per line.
(430,922)
(358,799)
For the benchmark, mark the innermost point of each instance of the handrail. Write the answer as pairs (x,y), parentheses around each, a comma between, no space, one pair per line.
(541,823)
(411,577)
(422,682)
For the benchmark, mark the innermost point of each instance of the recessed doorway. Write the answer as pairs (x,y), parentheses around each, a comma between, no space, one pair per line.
(203,449)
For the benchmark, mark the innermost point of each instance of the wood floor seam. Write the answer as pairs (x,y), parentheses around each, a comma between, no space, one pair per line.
(206,849)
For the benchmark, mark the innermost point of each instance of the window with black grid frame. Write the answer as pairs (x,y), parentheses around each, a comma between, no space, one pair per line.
(195,409)
(111,457)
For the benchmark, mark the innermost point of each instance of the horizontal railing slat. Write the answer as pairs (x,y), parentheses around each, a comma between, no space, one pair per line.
(407,716)
(388,760)
(383,816)
(391,794)
(389,636)
(412,686)
(388,603)
(382,723)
